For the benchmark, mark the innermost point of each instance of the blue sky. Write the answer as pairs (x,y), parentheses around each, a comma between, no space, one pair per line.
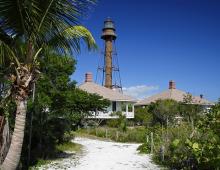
(158,41)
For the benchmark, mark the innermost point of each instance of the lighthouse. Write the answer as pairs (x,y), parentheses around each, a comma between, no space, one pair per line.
(108,64)
(108,35)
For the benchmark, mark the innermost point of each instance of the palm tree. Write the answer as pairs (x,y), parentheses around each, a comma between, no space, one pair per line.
(28,29)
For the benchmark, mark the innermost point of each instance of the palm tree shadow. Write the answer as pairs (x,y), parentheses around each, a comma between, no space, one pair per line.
(62,155)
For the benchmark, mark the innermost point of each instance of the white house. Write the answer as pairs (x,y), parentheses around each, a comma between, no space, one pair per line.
(119,101)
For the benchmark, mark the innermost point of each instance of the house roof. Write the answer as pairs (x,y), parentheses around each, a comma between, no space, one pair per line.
(106,93)
(175,94)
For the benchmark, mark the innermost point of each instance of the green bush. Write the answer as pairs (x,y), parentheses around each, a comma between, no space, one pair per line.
(120,122)
(143,116)
(187,147)
(112,123)
(68,136)
(144,148)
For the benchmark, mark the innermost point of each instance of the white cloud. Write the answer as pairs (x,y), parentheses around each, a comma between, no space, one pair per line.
(140,91)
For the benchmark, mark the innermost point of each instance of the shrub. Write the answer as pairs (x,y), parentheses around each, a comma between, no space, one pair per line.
(112,123)
(144,148)
(143,116)
(68,136)
(120,122)
(187,148)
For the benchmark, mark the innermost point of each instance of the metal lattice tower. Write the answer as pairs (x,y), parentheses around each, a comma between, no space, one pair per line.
(108,69)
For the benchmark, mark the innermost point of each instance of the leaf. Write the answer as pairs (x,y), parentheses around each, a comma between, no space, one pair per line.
(195,146)
(188,142)
(175,142)
(36,55)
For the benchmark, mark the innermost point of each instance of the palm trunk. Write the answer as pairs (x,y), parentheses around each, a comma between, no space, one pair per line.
(13,157)
(20,91)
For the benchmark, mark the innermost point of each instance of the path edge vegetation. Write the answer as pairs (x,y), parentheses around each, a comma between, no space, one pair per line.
(192,143)
(69,147)
(29,29)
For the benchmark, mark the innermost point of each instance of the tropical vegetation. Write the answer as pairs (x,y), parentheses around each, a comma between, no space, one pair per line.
(185,145)
(59,108)
(30,31)
(136,134)
(38,40)
(180,135)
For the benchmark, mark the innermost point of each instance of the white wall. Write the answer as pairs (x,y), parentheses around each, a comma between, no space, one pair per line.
(108,114)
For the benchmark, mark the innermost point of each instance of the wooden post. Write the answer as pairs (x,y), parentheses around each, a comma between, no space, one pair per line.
(116,135)
(162,153)
(106,133)
(152,143)
(192,124)
(147,137)
(178,131)
(167,131)
(163,135)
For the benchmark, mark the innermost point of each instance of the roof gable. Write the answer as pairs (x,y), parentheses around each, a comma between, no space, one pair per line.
(174,94)
(106,93)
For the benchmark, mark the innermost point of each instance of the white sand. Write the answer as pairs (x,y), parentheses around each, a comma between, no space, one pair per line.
(103,155)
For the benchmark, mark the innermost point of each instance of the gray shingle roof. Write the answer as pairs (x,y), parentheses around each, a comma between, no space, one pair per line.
(106,93)
(176,95)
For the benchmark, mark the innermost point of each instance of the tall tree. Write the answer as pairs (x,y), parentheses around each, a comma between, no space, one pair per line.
(143,116)
(164,110)
(58,103)
(28,29)
(189,110)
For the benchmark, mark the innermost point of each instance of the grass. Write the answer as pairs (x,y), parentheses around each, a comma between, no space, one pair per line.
(81,133)
(40,162)
(60,148)
(134,134)
(69,146)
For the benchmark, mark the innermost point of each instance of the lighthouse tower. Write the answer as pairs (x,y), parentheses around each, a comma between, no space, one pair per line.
(109,67)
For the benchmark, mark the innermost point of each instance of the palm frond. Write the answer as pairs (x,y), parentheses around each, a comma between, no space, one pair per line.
(13,17)
(58,15)
(69,40)
(45,14)
(7,55)
(43,22)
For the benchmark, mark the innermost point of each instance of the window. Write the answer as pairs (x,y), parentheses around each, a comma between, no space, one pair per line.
(114,106)
(123,107)
(130,108)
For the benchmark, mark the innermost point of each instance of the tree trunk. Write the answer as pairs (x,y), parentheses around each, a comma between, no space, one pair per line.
(13,157)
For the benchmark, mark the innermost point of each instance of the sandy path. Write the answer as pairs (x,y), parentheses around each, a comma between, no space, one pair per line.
(102,155)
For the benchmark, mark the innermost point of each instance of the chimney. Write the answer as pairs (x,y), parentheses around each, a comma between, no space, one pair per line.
(172,84)
(88,77)
(201,96)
